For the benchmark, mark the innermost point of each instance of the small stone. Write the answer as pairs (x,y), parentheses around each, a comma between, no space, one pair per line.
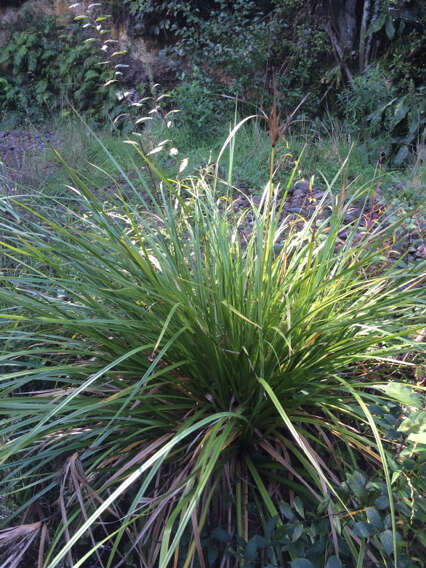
(421,252)
(302,184)
(297,201)
(242,187)
(256,200)
(353,215)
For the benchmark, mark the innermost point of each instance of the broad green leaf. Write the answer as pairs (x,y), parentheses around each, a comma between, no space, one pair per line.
(419,438)
(298,505)
(386,540)
(357,482)
(382,502)
(389,27)
(400,111)
(297,532)
(415,421)
(362,529)
(254,544)
(91,74)
(377,24)
(286,510)
(374,517)
(333,562)
(402,393)
(221,535)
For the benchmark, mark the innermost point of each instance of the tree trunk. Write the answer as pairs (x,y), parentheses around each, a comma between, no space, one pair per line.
(338,52)
(346,24)
(370,37)
(363,36)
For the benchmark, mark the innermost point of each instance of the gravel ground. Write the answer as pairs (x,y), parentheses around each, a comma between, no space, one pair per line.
(302,201)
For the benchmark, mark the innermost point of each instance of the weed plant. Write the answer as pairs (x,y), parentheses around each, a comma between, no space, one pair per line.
(170,368)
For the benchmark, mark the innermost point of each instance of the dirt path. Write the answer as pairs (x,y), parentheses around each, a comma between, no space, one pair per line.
(21,160)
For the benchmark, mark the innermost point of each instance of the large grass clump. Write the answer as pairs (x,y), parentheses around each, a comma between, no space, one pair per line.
(171,366)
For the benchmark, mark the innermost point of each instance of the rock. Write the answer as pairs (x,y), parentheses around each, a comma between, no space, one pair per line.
(421,252)
(353,215)
(300,188)
(319,194)
(344,234)
(302,185)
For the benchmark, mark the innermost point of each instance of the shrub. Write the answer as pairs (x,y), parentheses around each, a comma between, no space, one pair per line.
(160,357)
(202,108)
(369,91)
(373,107)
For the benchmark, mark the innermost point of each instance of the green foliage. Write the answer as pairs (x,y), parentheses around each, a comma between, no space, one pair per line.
(369,92)
(151,17)
(388,98)
(240,48)
(162,352)
(231,42)
(201,107)
(238,43)
(49,68)
(306,530)
(372,107)
(400,27)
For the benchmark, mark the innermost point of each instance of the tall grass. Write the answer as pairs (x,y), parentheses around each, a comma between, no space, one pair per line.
(165,351)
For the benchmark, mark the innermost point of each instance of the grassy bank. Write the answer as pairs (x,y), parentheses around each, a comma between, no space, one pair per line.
(326,146)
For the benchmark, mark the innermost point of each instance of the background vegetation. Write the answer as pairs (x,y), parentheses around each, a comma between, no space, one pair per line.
(362,61)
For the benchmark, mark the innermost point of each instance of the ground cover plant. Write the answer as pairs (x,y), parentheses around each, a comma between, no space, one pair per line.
(175,385)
